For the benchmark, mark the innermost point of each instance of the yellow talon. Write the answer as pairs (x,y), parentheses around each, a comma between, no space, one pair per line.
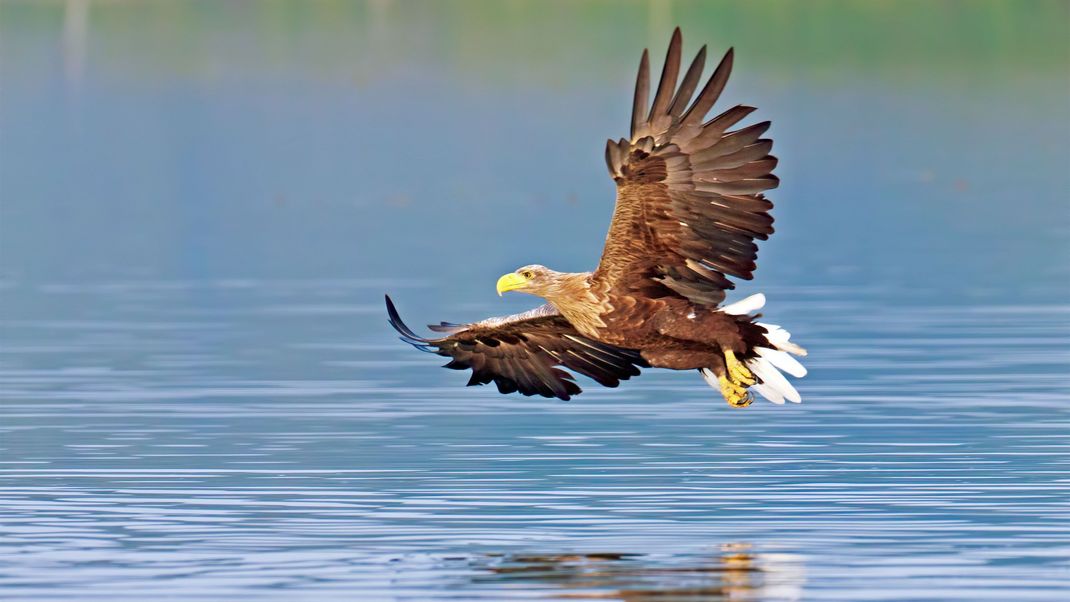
(735,382)
(737,396)
(736,370)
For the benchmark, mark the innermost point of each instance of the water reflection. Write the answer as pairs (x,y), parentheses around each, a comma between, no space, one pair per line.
(735,572)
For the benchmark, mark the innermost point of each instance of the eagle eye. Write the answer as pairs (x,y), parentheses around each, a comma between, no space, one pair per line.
(527,274)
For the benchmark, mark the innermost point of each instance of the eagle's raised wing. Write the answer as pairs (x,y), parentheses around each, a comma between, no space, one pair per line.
(689,203)
(521,352)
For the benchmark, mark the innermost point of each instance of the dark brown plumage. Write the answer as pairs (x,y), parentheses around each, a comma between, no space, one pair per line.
(521,352)
(689,209)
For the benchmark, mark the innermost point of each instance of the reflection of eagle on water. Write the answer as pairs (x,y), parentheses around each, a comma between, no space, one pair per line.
(734,572)
(689,208)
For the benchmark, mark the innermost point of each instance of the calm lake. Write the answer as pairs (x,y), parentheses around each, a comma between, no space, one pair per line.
(202,204)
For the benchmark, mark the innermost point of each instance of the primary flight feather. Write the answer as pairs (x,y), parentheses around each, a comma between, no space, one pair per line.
(690,206)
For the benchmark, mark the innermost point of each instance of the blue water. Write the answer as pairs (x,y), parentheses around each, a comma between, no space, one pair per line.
(200,397)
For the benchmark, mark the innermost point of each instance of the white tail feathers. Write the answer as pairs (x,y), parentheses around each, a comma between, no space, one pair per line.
(774,386)
(779,338)
(769,363)
(783,361)
(745,306)
(710,378)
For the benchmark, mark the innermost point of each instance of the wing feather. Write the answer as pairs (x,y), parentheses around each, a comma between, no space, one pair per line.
(522,352)
(690,201)
(687,86)
(642,89)
(667,84)
(711,91)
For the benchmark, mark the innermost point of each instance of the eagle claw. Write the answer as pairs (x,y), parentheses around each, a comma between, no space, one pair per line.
(735,394)
(738,372)
(734,385)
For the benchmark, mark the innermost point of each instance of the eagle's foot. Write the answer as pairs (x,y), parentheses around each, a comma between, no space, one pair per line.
(737,372)
(735,394)
(735,381)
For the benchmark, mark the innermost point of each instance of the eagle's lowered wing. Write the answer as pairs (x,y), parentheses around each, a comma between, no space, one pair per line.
(522,352)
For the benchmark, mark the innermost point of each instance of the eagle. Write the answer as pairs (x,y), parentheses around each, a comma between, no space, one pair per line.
(690,207)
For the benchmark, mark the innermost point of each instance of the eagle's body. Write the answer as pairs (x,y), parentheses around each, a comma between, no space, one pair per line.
(689,208)
(660,328)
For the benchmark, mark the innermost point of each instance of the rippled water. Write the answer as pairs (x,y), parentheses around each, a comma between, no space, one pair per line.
(151,444)
(200,397)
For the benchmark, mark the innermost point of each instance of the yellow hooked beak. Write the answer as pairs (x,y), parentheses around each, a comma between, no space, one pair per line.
(511,281)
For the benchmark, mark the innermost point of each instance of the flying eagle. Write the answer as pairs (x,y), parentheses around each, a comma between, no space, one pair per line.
(689,208)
